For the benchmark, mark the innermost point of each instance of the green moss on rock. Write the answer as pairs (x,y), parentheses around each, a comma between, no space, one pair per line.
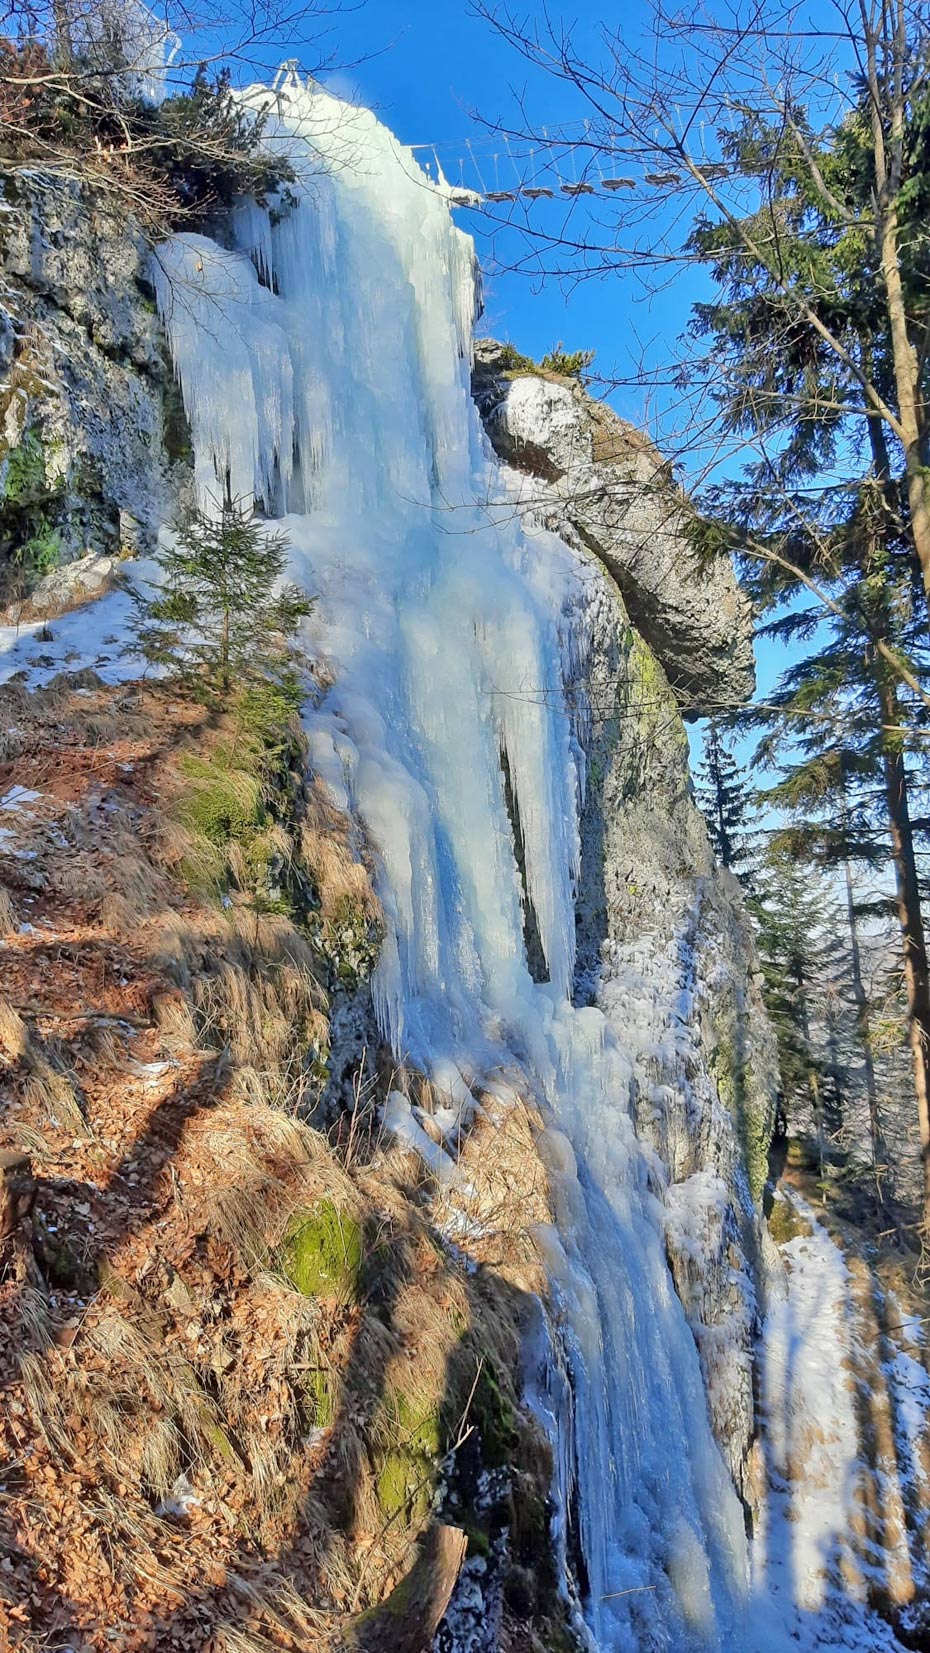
(319,1392)
(749,1111)
(492,1415)
(786,1222)
(407,1466)
(322,1254)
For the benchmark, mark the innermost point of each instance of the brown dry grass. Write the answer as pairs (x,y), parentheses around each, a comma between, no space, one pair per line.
(153,1056)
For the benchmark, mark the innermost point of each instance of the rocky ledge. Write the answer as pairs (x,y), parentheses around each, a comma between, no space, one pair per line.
(600,481)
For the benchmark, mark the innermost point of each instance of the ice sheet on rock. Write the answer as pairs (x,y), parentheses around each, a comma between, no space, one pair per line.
(341,398)
(398,1119)
(240,403)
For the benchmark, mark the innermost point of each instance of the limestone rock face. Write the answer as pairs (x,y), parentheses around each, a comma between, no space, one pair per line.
(664,945)
(611,490)
(666,951)
(87,384)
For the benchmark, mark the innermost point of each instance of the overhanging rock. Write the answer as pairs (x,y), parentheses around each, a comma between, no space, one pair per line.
(603,482)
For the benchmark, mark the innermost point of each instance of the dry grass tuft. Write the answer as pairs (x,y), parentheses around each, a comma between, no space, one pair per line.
(327,848)
(174,1018)
(52,1096)
(117,914)
(9,922)
(15,1040)
(46,1404)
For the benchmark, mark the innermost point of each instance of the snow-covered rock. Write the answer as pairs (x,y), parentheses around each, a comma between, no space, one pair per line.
(597,481)
(64,588)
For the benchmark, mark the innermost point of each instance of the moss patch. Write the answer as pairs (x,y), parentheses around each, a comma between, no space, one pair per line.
(322,1254)
(749,1113)
(492,1415)
(318,1389)
(785,1222)
(407,1467)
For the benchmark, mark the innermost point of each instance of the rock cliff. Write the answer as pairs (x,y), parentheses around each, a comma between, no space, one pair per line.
(664,942)
(664,947)
(601,484)
(93,442)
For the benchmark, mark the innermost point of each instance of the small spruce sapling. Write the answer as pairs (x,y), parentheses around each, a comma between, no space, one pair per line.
(219,617)
(572,364)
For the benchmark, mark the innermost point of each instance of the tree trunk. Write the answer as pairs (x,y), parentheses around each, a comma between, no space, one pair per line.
(886,51)
(863,1023)
(910,919)
(861,1001)
(907,393)
(64,42)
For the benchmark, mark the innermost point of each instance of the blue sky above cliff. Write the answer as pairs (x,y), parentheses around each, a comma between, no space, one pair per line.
(431,71)
(436,68)
(437,75)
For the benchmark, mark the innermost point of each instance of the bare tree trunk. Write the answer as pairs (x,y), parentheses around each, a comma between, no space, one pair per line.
(910,919)
(887,103)
(64,39)
(908,398)
(861,1000)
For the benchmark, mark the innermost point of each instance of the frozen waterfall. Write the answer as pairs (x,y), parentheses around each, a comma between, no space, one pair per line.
(325,366)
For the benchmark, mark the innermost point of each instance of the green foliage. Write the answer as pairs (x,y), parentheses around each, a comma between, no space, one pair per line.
(800,324)
(30,538)
(322,1253)
(222,800)
(207,148)
(24,482)
(800,955)
(513,361)
(39,554)
(176,161)
(724,797)
(571,364)
(220,616)
(237,805)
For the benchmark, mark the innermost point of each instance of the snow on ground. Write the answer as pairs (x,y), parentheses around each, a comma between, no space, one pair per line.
(95,636)
(810,1419)
(807,1562)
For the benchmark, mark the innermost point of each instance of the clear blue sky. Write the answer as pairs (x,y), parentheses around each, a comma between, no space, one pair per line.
(428,68)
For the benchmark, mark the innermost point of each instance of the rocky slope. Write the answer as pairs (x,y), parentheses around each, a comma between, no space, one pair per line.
(242,1371)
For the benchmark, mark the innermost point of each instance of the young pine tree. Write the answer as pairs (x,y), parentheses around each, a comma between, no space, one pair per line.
(724,801)
(220,617)
(796,938)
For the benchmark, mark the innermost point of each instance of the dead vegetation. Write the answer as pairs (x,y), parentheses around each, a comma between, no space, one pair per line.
(239,1365)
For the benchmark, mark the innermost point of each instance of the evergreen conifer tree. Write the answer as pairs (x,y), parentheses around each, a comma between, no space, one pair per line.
(797,948)
(827,521)
(221,616)
(724,800)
